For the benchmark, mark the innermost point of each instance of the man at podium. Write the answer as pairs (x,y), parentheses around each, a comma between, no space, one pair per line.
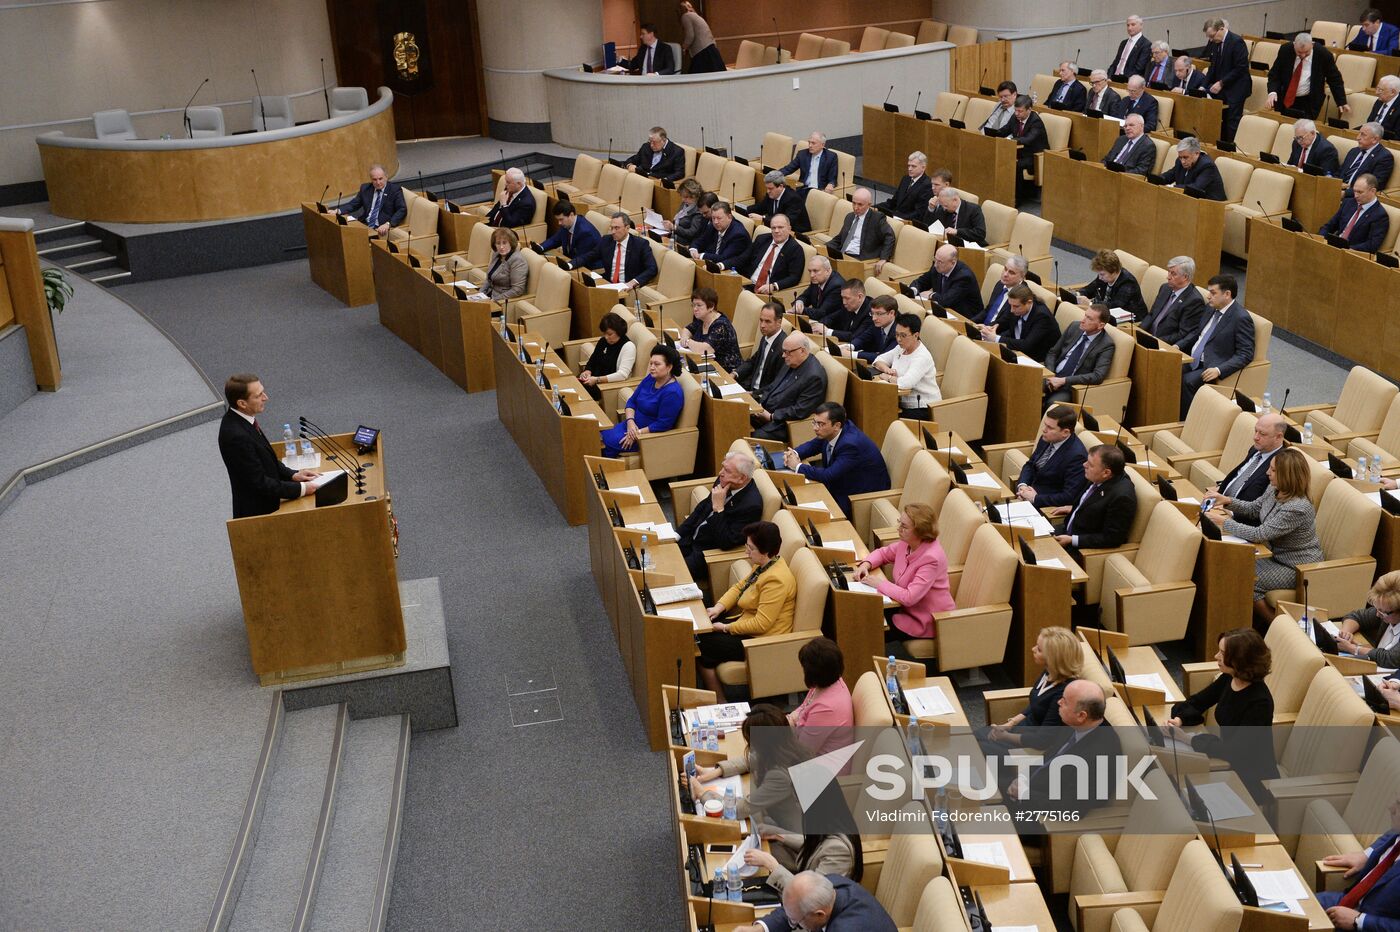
(258,478)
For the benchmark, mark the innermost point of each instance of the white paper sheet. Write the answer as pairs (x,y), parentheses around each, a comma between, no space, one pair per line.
(463,283)
(727,715)
(325,477)
(655,221)
(736,860)
(730,389)
(610,286)
(969,244)
(1154,681)
(1222,801)
(929,701)
(1023,360)
(839,545)
(1277,886)
(668,595)
(680,614)
(1052,562)
(986,852)
(936,228)
(628,490)
(982,480)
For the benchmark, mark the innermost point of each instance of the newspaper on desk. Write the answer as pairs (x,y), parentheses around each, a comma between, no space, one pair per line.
(728,716)
(1025,514)
(669,595)
(928,702)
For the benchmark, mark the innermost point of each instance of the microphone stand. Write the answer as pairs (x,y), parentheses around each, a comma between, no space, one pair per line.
(359,467)
(261,105)
(189,131)
(327,454)
(324,91)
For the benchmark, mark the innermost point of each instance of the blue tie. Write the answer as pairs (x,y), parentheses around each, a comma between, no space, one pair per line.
(374,210)
(1071,361)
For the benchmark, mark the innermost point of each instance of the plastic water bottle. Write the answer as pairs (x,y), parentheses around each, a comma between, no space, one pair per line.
(1375,475)
(705,382)
(720,891)
(646,555)
(731,803)
(555,401)
(308,452)
(697,739)
(1307,433)
(760,456)
(911,738)
(505,329)
(734,885)
(1266,404)
(1362,469)
(891,679)
(712,741)
(539,369)
(289,441)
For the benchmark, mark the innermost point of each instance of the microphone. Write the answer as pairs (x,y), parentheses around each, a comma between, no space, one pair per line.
(731,150)
(189,132)
(917,98)
(261,105)
(983,87)
(1076,58)
(359,469)
(320,201)
(324,91)
(677,726)
(702,140)
(648,603)
(1057,277)
(702,143)
(1305,598)
(327,454)
(1264,214)
(779,36)
(1284,404)
(1266,24)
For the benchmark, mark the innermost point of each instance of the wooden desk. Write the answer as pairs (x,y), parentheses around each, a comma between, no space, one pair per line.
(1152,222)
(1156,393)
(1014,394)
(338,256)
(1094,136)
(1224,593)
(727,285)
(918,678)
(1041,598)
(1016,904)
(319,587)
(1274,857)
(871,405)
(984,165)
(1314,199)
(591,304)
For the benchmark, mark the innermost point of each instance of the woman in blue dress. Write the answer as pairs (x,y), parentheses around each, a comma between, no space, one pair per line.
(653,407)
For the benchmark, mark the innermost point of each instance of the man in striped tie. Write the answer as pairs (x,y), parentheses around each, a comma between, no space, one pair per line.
(1373,901)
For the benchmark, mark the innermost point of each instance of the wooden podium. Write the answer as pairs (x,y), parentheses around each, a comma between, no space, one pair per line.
(984,165)
(319,588)
(339,256)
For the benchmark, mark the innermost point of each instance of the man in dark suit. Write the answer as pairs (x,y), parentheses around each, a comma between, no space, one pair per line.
(1073,776)
(1361,221)
(853,315)
(1196,170)
(1372,902)
(1301,73)
(718,522)
(950,282)
(1222,346)
(1228,74)
(913,191)
(576,237)
(1134,53)
(1081,356)
(1160,71)
(1177,310)
(1187,78)
(516,206)
(625,259)
(658,157)
(730,244)
(850,461)
(1028,130)
(1113,285)
(822,297)
(1101,98)
(1013,273)
(960,217)
(259,480)
(1068,93)
(865,233)
(775,259)
(1376,35)
(1134,151)
(1054,474)
(877,338)
(1386,109)
(780,199)
(794,394)
(1368,157)
(379,204)
(758,371)
(1138,101)
(1028,328)
(1312,148)
(1104,513)
(653,56)
(815,165)
(829,902)
(1250,477)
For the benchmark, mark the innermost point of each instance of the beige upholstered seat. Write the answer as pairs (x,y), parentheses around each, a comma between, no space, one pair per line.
(709,170)
(1331,732)
(746,310)
(1198,899)
(931,30)
(958,521)
(845,174)
(962,35)
(1256,134)
(587,171)
(1366,398)
(977,111)
(776,150)
(1210,470)
(418,232)
(1208,422)
(963,407)
(1029,236)
(898,40)
(1358,71)
(809,47)
(1264,51)
(873,39)
(113,124)
(547,313)
(1235,174)
(913,254)
(927,481)
(1258,94)
(1385,444)
(949,106)
(800,432)
(832,48)
(940,907)
(1111,395)
(1346,528)
(770,667)
(840,208)
(273,112)
(1000,219)
(910,863)
(820,207)
(1149,597)
(668,296)
(1166,105)
(974,634)
(610,182)
(750,54)
(1042,86)
(1268,188)
(1329,828)
(670,452)
(938,337)
(868,706)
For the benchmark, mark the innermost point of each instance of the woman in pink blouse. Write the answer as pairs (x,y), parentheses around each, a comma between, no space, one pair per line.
(918,575)
(824,719)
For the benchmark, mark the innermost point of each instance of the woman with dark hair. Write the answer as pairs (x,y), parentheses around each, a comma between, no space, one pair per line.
(710,331)
(689,220)
(613,356)
(824,719)
(653,407)
(1244,710)
(770,748)
(764,602)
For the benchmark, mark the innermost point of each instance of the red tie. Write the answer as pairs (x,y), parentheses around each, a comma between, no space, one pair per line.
(1346,234)
(762,278)
(1291,94)
(1303,156)
(617,266)
(1354,896)
(1020,128)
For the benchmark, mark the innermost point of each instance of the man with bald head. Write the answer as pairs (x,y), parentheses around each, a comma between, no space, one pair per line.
(865,234)
(1132,150)
(775,259)
(1248,480)
(379,204)
(814,902)
(1138,101)
(795,393)
(1060,782)
(951,283)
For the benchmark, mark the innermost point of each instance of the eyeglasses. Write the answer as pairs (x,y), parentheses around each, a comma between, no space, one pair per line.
(793,350)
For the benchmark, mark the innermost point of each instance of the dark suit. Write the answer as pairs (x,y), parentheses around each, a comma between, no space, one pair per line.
(1229,65)
(870,342)
(854,466)
(1390,123)
(958,289)
(703,529)
(1145,106)
(802,164)
(843,323)
(1074,96)
(1095,359)
(1257,482)
(638,263)
(1203,176)
(1140,161)
(1104,518)
(820,302)
(1386,39)
(1321,154)
(1161,73)
(1377,161)
(733,248)
(910,197)
(670,165)
(1139,60)
(1380,904)
(1037,332)
(520,211)
(789,202)
(876,236)
(1172,324)
(794,395)
(1324,75)
(1124,292)
(787,264)
(1229,348)
(1105,105)
(1370,229)
(392,209)
(749,374)
(1193,83)
(662,60)
(995,301)
(855,910)
(1061,480)
(581,244)
(259,480)
(1030,139)
(1079,788)
(969,221)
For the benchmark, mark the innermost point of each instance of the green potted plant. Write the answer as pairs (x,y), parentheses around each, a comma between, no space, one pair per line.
(57,290)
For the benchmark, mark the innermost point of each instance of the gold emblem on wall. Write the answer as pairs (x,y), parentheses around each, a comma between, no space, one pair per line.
(406,55)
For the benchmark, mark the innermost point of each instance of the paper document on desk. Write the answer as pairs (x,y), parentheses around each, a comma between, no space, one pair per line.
(1278,886)
(1153,681)
(655,221)
(840,545)
(1223,802)
(1024,360)
(969,244)
(680,614)
(610,286)
(1232,539)
(736,860)
(727,715)
(928,701)
(628,490)
(615,69)
(1055,563)
(936,228)
(1113,119)
(1329,626)
(1119,315)
(664,531)
(669,595)
(819,505)
(1025,514)
(1189,501)
(986,852)
(982,480)
(862,587)
(463,283)
(730,389)
(325,477)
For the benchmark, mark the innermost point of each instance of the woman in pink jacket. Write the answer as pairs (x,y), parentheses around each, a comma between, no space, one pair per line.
(918,576)
(824,720)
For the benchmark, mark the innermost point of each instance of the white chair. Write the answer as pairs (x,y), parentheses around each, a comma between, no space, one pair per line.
(348,100)
(206,122)
(113,124)
(272,113)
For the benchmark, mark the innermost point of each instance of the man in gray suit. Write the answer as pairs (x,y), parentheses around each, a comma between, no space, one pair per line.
(1223,346)
(1082,356)
(795,392)
(1133,150)
(865,234)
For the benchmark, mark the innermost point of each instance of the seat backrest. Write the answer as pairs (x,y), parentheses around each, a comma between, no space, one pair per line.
(1165,105)
(927,481)
(1379,784)
(736,185)
(637,192)
(1358,71)
(1235,174)
(709,170)
(1208,421)
(1283,141)
(793,539)
(809,47)
(1296,661)
(958,521)
(1031,235)
(1057,129)
(989,571)
(831,48)
(1042,86)
(1165,153)
(1389,437)
(206,122)
(479,244)
(113,124)
(932,31)
(770,55)
(1343,144)
(1364,401)
(873,39)
(868,705)
(913,248)
(676,278)
(1331,34)
(777,150)
(1137,266)
(949,106)
(1147,499)
(1122,357)
(1264,51)
(813,587)
(938,337)
(845,169)
(422,214)
(1361,104)
(1199,898)
(690,409)
(1263,332)
(750,54)
(1272,189)
(839,211)
(911,861)
(644,340)
(1393,216)
(836,375)
(940,907)
(1238,442)
(977,111)
(897,449)
(272,112)
(1169,546)
(990,279)
(746,309)
(1066,314)
(966,373)
(610,183)
(1151,281)
(962,35)
(552,291)
(1313,747)
(1000,218)
(899,40)
(348,100)
(1346,522)
(820,206)
(1255,134)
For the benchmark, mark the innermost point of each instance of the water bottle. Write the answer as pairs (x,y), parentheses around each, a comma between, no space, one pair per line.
(911,738)
(697,739)
(1362,470)
(1375,475)
(705,382)
(505,328)
(712,742)
(731,803)
(646,555)
(1266,404)
(734,885)
(289,441)
(308,452)
(720,890)
(1307,433)
(539,369)
(891,679)
(760,456)
(554,399)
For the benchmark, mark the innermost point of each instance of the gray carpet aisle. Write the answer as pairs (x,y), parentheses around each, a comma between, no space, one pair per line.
(505,827)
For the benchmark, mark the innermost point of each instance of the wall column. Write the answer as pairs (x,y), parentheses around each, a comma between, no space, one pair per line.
(519,41)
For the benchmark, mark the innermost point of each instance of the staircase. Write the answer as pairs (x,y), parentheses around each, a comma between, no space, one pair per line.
(74,247)
(319,839)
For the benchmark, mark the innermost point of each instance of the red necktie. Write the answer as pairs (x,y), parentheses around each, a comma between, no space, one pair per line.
(617,266)
(1291,94)
(1354,896)
(256,427)
(1346,234)
(762,278)
(1020,128)
(1303,156)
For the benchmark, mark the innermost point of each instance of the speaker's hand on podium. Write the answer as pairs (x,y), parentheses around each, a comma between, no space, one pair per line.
(304,475)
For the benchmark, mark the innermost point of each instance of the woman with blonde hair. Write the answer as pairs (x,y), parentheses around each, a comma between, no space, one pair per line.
(918,577)
(1037,725)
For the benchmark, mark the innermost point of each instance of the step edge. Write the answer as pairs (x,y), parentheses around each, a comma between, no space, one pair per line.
(379,913)
(316,860)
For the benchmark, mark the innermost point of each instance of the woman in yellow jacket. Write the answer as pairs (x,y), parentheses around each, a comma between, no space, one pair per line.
(764,601)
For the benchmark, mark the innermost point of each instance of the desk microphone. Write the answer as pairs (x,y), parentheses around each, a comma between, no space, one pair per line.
(779,36)
(262,106)
(1057,279)
(1284,404)
(887,96)
(326,452)
(320,201)
(731,155)
(1076,58)
(677,724)
(610,158)
(189,131)
(332,441)
(324,91)
(917,98)
(984,87)
(1266,24)
(1236,384)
